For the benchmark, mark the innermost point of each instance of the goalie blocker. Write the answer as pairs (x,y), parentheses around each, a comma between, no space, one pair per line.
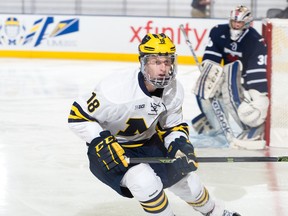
(248,108)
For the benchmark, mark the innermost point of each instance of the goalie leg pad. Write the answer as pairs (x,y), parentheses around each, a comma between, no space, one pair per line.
(201,124)
(256,133)
(207,113)
(232,90)
(210,79)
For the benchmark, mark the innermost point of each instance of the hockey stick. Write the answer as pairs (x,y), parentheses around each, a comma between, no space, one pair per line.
(221,117)
(215,104)
(190,46)
(210,159)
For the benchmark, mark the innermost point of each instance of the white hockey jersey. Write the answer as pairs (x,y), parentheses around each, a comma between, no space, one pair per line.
(122,105)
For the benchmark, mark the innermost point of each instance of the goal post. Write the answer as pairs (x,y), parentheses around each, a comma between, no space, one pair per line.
(275,32)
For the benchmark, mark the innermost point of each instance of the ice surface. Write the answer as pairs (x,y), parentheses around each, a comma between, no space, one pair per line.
(44,169)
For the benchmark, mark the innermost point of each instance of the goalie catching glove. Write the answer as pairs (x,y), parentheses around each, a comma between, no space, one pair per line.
(110,153)
(253,111)
(183,151)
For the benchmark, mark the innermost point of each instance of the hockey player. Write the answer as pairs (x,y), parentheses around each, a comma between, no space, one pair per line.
(241,85)
(139,114)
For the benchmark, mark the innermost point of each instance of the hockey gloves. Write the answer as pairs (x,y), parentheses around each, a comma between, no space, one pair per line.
(110,153)
(183,151)
(253,110)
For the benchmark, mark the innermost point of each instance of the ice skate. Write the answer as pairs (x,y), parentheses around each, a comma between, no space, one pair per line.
(219,210)
(225,213)
(228,213)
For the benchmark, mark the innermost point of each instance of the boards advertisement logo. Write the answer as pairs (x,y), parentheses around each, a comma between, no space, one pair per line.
(42,32)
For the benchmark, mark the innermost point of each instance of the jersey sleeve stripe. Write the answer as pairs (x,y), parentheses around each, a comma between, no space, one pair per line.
(213,53)
(260,70)
(256,81)
(162,133)
(78,115)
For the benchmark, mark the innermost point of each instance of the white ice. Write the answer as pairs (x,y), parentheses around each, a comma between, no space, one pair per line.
(44,168)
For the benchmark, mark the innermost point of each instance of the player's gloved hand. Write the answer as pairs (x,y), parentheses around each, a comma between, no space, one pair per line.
(183,151)
(253,110)
(110,153)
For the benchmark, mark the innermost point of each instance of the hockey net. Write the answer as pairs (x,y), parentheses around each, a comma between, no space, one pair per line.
(275,32)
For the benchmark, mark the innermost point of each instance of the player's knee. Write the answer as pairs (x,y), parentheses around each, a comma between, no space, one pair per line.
(143,182)
(147,188)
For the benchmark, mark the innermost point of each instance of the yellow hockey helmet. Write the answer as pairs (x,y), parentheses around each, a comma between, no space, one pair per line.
(156,44)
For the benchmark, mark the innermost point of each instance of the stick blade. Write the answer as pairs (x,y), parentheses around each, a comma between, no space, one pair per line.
(248,144)
(283,159)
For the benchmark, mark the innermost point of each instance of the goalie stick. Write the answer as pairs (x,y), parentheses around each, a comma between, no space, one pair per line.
(221,117)
(210,159)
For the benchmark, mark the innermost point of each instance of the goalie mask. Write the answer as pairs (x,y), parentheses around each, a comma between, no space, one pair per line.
(240,19)
(157,53)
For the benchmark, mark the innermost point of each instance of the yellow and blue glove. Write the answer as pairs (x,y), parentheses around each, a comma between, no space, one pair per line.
(183,151)
(110,154)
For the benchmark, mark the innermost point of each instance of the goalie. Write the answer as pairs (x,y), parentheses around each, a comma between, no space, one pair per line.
(240,86)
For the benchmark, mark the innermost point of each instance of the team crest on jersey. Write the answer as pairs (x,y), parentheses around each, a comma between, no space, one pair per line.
(154,108)
(234,46)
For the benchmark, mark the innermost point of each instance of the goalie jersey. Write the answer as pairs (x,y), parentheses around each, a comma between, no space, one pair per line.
(249,48)
(129,111)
